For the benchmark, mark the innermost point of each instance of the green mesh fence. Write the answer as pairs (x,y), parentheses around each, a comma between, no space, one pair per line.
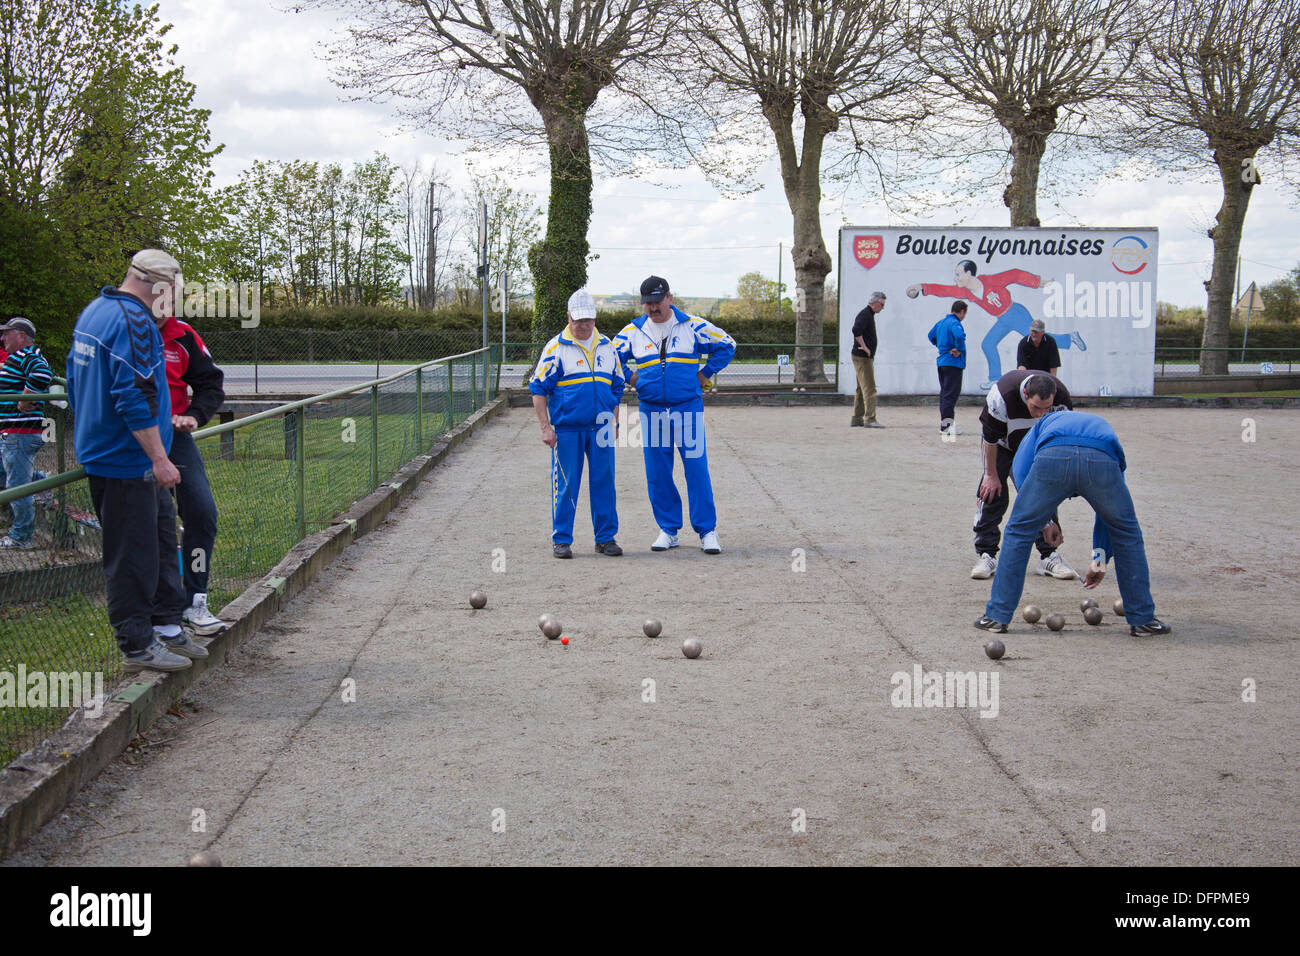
(276,476)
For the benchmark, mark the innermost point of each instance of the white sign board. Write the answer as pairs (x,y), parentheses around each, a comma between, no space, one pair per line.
(783,360)
(1095,289)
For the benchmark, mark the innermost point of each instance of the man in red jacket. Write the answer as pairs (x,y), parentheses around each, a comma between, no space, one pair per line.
(195,384)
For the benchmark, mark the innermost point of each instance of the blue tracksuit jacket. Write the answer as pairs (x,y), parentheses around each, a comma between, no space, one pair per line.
(117,384)
(1070,428)
(583,390)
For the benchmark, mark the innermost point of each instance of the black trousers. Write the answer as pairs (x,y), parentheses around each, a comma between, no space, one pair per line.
(988,514)
(949,389)
(138,519)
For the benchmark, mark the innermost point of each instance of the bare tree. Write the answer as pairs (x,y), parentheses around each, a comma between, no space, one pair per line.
(1033,66)
(810,68)
(1220,77)
(430,228)
(523,71)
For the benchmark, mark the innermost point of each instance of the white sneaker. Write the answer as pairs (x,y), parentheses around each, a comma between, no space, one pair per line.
(664,542)
(949,427)
(1055,566)
(200,620)
(984,567)
(709,543)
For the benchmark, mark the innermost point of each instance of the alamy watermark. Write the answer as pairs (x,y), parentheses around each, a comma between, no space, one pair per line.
(922,688)
(1085,299)
(662,428)
(62,689)
(213,300)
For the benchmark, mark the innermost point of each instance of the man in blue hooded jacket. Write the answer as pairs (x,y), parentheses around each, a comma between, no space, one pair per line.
(949,337)
(669,357)
(117,386)
(1067,454)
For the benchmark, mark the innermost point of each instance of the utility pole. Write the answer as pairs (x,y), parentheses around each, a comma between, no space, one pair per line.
(431,254)
(780,261)
(482,264)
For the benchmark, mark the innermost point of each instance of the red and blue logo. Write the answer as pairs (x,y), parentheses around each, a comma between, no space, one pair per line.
(1130,255)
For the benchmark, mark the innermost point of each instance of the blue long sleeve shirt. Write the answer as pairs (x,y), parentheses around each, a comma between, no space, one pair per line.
(117,384)
(948,333)
(1070,428)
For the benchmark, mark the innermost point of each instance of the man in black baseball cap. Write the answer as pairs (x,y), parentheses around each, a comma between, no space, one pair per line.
(669,356)
(653,289)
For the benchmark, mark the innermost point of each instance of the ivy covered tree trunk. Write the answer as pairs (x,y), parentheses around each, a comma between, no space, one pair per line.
(559,262)
(801,177)
(1238,179)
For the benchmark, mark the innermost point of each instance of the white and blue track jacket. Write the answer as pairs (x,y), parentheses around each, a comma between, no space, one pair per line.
(667,371)
(579,385)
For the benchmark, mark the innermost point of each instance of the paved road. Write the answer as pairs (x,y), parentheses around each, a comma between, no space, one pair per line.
(474,740)
(322,378)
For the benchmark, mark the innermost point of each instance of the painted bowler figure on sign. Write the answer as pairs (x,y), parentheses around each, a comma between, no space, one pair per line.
(991,293)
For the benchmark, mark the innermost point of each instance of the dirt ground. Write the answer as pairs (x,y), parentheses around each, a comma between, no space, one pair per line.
(474,740)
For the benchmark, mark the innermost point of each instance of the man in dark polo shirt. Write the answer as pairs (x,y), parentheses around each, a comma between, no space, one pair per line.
(863,354)
(1037,351)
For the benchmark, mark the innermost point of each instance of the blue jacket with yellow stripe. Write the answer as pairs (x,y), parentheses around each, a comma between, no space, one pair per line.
(579,385)
(667,372)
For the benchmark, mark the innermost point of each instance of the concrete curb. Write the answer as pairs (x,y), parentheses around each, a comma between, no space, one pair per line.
(39,783)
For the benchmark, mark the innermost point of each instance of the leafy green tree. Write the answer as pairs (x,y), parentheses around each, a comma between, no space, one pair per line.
(101,150)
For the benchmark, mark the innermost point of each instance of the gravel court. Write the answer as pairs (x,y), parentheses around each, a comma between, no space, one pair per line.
(459,713)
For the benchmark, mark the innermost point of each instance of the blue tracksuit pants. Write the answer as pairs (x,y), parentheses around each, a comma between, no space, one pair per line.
(571,447)
(681,427)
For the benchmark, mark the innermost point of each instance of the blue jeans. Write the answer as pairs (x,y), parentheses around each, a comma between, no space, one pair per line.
(19,454)
(1060,472)
(198,511)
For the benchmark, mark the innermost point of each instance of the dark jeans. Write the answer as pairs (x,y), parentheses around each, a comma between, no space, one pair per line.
(949,389)
(988,514)
(144,585)
(1060,472)
(198,511)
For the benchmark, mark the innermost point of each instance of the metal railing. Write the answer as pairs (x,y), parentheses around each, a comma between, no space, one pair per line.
(1187,359)
(277,476)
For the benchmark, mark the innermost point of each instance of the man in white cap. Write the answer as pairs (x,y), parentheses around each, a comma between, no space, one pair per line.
(576,388)
(117,386)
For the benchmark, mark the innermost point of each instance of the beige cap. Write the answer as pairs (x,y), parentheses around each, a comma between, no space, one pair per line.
(154,265)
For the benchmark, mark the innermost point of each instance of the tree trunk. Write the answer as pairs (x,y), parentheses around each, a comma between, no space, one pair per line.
(559,262)
(812,263)
(1226,234)
(1021,197)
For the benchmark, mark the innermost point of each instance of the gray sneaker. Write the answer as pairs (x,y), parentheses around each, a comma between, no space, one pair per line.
(183,645)
(155,658)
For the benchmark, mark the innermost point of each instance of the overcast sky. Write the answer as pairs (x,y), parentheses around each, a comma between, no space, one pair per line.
(257,68)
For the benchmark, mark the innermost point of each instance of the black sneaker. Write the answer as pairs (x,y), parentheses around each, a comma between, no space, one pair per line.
(1153,626)
(562,551)
(988,624)
(609,547)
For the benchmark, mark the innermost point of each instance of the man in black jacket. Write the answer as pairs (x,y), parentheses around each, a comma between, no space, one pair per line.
(1015,402)
(197,392)
(863,354)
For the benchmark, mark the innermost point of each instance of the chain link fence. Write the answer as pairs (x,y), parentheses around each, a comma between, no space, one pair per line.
(300,361)
(277,476)
(755,364)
